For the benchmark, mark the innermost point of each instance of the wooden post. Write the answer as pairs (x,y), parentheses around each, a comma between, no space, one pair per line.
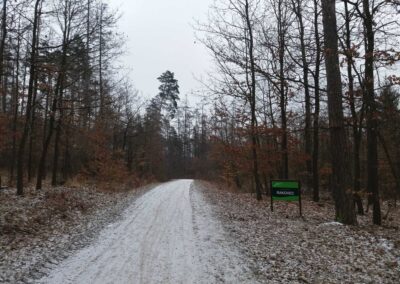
(300,207)
(272,199)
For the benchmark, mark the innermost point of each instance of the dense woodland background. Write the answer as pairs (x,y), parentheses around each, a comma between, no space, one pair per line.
(302,89)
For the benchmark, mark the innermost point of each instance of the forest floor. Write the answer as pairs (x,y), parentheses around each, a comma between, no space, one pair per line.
(187,232)
(285,248)
(45,227)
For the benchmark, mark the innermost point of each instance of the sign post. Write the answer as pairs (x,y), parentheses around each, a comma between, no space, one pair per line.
(285,190)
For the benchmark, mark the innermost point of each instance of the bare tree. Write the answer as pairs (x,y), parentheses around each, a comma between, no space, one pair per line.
(252,89)
(340,172)
(234,49)
(297,7)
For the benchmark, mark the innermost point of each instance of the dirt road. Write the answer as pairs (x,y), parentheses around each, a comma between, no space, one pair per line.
(168,235)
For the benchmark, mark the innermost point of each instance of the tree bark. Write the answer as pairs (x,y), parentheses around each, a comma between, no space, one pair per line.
(315,163)
(282,94)
(340,167)
(32,129)
(372,124)
(57,148)
(101,83)
(15,112)
(2,47)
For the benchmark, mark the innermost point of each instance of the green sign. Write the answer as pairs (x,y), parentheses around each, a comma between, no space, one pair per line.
(285,190)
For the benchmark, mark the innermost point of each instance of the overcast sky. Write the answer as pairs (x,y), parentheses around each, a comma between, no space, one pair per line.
(161,37)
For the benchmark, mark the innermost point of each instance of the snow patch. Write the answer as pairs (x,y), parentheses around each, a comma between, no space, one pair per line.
(331,224)
(385,244)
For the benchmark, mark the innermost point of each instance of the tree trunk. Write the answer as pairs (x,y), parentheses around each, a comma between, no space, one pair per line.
(15,114)
(101,86)
(86,74)
(282,90)
(369,97)
(66,171)
(315,163)
(340,167)
(254,131)
(57,140)
(31,130)
(2,47)
(355,126)
(305,66)
(32,72)
(56,150)
(391,163)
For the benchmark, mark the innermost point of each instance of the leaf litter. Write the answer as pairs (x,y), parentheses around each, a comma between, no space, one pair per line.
(285,248)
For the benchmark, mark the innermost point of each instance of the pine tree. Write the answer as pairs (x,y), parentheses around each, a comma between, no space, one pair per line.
(169,92)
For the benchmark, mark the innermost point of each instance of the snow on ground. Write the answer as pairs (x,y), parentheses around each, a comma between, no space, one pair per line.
(168,235)
(44,227)
(288,249)
(186,232)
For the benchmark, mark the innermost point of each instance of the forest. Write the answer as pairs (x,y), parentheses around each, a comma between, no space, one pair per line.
(300,89)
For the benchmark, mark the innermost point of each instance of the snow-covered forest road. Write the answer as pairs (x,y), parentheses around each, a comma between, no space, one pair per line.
(166,236)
